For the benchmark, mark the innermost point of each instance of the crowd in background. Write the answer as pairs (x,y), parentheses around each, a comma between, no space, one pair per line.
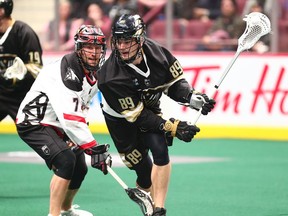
(220,21)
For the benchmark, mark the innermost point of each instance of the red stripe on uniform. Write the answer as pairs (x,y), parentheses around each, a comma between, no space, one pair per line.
(88,145)
(74,118)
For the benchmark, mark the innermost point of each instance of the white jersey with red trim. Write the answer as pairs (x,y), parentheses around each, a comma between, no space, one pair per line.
(60,97)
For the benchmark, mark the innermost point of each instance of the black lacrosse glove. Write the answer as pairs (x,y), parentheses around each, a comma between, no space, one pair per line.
(100,158)
(199,100)
(182,130)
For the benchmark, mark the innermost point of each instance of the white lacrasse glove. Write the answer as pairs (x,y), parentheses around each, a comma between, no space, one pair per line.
(199,100)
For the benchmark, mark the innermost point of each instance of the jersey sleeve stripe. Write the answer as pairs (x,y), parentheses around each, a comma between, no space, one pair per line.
(88,145)
(74,118)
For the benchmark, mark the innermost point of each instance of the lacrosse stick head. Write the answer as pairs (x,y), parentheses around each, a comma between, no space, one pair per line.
(257,25)
(142,198)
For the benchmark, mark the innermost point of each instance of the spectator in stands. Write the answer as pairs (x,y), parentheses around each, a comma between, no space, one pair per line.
(152,3)
(147,5)
(151,10)
(197,9)
(121,7)
(201,10)
(226,29)
(78,8)
(263,44)
(284,9)
(107,6)
(66,30)
(207,10)
(95,16)
(266,6)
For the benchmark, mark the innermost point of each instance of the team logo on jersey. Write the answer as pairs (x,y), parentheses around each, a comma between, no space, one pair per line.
(70,75)
(45,150)
(147,82)
(136,82)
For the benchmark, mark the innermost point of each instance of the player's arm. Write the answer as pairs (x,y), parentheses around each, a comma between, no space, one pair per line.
(187,96)
(69,110)
(67,106)
(183,93)
(65,98)
(135,112)
(31,51)
(19,69)
(148,120)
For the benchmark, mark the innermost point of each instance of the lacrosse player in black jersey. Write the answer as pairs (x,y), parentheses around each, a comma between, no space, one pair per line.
(52,119)
(20,60)
(132,81)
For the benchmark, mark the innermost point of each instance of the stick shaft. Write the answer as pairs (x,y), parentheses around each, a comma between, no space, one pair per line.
(217,85)
(116,177)
(227,69)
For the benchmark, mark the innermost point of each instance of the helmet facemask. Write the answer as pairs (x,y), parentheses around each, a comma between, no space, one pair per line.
(91,56)
(90,46)
(128,49)
(128,36)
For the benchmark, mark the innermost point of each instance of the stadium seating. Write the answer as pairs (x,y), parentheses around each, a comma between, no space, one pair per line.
(184,38)
(283,35)
(192,35)
(157,31)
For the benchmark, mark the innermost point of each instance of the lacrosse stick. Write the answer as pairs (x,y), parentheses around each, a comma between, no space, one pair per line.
(142,198)
(257,25)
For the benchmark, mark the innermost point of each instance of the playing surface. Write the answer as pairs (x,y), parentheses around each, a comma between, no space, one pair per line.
(209,178)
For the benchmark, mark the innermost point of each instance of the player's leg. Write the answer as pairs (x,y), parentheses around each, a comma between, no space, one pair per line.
(149,189)
(68,199)
(63,166)
(58,190)
(134,155)
(161,166)
(160,181)
(143,170)
(79,174)
(46,142)
(127,140)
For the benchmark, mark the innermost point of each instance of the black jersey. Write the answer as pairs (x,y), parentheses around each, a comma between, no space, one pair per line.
(20,42)
(134,92)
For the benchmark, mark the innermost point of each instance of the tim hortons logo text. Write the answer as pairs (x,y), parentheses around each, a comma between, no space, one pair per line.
(269,90)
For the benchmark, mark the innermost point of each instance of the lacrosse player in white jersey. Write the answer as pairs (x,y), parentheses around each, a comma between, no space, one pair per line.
(52,119)
(20,60)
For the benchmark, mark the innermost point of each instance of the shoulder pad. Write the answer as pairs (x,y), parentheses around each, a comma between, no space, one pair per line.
(71,73)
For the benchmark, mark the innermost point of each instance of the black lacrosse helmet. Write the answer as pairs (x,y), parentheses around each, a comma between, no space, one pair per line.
(128,27)
(89,34)
(8,6)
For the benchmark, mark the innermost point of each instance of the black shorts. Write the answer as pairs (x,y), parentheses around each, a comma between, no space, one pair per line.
(44,140)
(12,96)
(9,106)
(133,144)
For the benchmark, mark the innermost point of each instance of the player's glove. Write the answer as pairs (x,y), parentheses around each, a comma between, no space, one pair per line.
(199,100)
(100,158)
(182,130)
